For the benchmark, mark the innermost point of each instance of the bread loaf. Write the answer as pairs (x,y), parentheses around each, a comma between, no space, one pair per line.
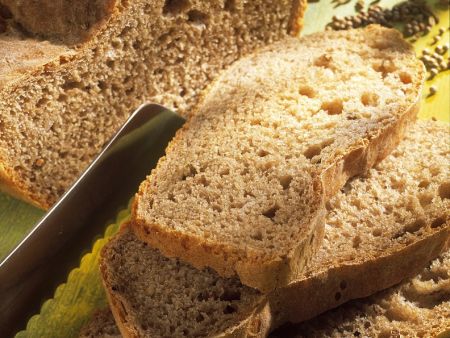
(380,229)
(241,186)
(61,100)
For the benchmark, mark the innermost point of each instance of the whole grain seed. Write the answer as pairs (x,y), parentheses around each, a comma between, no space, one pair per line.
(433,90)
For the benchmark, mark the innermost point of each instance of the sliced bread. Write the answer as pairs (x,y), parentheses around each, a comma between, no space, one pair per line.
(419,307)
(60,102)
(380,230)
(242,185)
(154,296)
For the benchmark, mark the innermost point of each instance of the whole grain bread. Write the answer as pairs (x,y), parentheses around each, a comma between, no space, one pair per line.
(419,307)
(241,186)
(154,296)
(380,229)
(62,99)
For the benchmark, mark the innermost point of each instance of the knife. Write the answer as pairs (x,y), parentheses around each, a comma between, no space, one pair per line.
(42,260)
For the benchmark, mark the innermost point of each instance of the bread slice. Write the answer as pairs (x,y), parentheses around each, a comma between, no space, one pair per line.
(380,230)
(154,296)
(419,307)
(62,99)
(238,190)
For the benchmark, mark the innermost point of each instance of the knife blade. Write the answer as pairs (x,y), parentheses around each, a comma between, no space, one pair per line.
(42,260)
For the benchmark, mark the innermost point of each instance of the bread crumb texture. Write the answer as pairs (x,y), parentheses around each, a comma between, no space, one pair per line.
(419,307)
(240,176)
(61,102)
(143,276)
(164,297)
(401,199)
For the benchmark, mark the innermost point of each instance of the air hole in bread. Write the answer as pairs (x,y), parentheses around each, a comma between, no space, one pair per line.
(217,208)
(110,64)
(424,184)
(102,85)
(334,107)
(356,242)
(68,85)
(203,181)
(197,18)
(230,5)
(62,98)
(255,122)
(262,153)
(312,151)
(190,172)
(175,7)
(224,172)
(337,296)
(405,77)
(137,45)
(229,309)
(171,197)
(230,295)
(356,333)
(343,285)
(444,190)
(370,99)
(415,226)
(257,236)
(377,232)
(42,102)
(271,212)
(307,91)
(323,61)
(199,318)
(438,222)
(285,181)
(425,198)
(384,67)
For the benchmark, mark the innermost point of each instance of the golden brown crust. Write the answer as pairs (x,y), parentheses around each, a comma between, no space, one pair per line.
(263,275)
(23,58)
(325,290)
(297,14)
(268,275)
(257,324)
(65,20)
(361,159)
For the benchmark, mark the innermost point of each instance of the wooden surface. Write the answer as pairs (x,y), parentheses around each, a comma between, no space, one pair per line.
(75,301)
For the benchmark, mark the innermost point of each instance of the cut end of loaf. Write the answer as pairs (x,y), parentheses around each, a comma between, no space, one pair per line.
(164,297)
(60,104)
(239,184)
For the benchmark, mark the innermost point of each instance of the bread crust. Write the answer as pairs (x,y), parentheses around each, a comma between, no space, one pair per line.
(362,279)
(263,275)
(268,275)
(257,324)
(43,58)
(360,159)
(297,14)
(69,21)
